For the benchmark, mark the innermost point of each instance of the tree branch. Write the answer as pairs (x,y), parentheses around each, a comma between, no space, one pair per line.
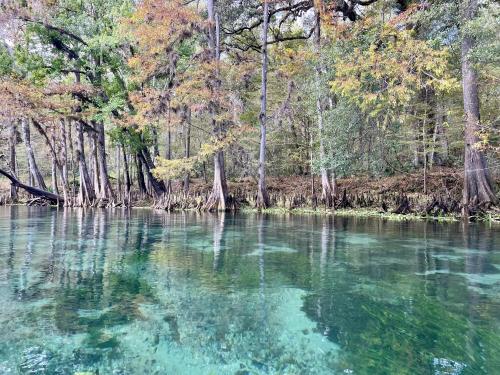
(54,198)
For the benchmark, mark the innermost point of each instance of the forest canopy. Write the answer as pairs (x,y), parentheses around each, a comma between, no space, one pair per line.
(116,101)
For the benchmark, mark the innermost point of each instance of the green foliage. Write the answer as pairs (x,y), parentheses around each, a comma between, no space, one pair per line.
(386,69)
(6,61)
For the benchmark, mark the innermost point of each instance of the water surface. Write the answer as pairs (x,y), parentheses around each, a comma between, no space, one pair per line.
(146,292)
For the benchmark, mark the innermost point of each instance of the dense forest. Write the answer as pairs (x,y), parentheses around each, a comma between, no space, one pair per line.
(217,104)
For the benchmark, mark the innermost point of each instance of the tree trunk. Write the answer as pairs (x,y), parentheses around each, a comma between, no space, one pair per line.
(478,188)
(53,198)
(106,191)
(56,164)
(12,158)
(169,157)
(262,196)
(118,169)
(33,167)
(334,185)
(128,183)
(187,144)
(64,159)
(156,148)
(326,188)
(158,186)
(218,197)
(55,188)
(72,156)
(440,146)
(86,190)
(94,164)
(140,176)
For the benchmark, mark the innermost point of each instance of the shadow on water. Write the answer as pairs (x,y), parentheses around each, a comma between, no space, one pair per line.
(144,291)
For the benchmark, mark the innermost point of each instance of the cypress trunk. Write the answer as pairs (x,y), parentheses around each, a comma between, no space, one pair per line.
(477,190)
(106,191)
(187,144)
(32,165)
(158,186)
(218,197)
(326,188)
(128,183)
(86,191)
(262,196)
(54,166)
(12,158)
(140,176)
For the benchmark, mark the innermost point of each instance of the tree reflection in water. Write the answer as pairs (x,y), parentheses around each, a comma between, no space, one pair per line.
(138,291)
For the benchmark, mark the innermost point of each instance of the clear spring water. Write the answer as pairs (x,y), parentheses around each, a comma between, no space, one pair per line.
(145,292)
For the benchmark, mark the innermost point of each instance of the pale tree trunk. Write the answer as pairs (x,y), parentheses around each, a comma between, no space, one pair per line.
(262,195)
(169,157)
(439,153)
(54,166)
(69,141)
(218,197)
(64,152)
(128,183)
(326,188)
(86,191)
(118,173)
(94,164)
(33,167)
(12,158)
(478,188)
(334,185)
(106,191)
(187,144)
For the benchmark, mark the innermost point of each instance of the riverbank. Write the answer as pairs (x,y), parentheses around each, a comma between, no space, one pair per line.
(399,197)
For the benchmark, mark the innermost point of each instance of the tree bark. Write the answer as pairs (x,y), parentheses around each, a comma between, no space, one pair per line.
(140,177)
(128,182)
(94,164)
(54,198)
(33,167)
(218,197)
(158,186)
(262,195)
(86,190)
(169,157)
(63,148)
(439,153)
(326,188)
(187,144)
(69,141)
(55,163)
(106,191)
(156,148)
(478,188)
(12,158)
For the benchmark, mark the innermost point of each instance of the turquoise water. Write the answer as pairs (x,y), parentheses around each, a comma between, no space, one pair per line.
(145,292)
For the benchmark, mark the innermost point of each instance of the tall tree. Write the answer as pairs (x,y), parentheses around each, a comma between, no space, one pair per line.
(12,157)
(218,196)
(326,188)
(32,164)
(262,195)
(478,188)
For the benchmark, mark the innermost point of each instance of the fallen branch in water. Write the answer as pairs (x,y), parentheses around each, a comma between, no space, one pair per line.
(53,198)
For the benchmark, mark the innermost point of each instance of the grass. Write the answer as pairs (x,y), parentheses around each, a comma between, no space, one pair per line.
(490,217)
(368,213)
